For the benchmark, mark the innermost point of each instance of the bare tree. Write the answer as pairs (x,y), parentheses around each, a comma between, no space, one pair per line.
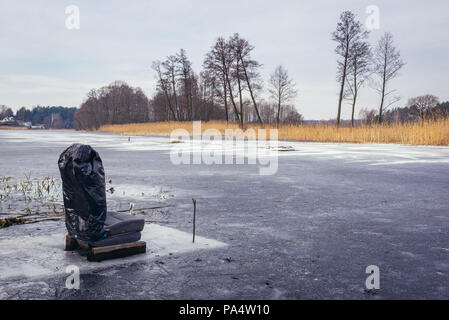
(387,63)
(249,67)
(236,72)
(359,69)
(170,74)
(163,85)
(184,70)
(218,62)
(348,31)
(282,89)
(423,105)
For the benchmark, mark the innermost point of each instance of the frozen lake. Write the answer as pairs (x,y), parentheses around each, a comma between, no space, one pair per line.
(308,231)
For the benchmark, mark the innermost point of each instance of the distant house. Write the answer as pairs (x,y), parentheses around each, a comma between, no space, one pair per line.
(9,121)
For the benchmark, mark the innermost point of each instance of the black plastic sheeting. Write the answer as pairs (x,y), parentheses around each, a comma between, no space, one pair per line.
(83,185)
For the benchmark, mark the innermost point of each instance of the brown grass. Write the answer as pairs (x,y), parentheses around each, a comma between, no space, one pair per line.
(417,133)
(12,128)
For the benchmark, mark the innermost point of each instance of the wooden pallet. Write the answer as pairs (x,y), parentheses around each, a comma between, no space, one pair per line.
(107,252)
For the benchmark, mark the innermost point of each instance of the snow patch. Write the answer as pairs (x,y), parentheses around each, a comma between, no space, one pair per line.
(28,256)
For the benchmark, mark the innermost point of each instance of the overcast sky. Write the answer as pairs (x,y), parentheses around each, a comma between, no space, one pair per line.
(44,63)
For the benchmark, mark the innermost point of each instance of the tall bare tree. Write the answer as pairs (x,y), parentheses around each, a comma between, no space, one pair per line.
(359,69)
(423,105)
(387,63)
(249,67)
(170,66)
(348,31)
(218,62)
(236,72)
(184,70)
(281,88)
(163,85)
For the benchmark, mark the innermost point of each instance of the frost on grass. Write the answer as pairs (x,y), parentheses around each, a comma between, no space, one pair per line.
(31,200)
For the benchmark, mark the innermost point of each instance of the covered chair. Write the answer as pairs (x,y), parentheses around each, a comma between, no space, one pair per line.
(86,217)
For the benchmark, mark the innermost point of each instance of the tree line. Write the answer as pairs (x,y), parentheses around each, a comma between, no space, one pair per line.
(426,107)
(50,117)
(229,87)
(116,103)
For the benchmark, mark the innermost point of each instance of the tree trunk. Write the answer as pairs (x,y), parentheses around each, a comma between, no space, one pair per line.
(342,88)
(353,109)
(174,94)
(241,101)
(189,111)
(354,100)
(278,120)
(190,100)
(383,89)
(231,95)
(240,94)
(251,92)
(169,105)
(225,99)
(343,79)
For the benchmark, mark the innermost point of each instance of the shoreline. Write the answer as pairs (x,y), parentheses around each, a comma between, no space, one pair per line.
(430,133)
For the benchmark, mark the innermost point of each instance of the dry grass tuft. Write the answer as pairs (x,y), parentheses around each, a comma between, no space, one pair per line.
(416,133)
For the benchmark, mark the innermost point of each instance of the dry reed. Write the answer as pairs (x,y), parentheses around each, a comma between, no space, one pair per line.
(414,133)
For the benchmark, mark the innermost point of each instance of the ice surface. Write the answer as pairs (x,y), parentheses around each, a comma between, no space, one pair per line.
(310,230)
(373,154)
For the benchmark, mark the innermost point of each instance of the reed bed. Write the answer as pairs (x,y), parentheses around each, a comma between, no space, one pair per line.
(28,200)
(12,128)
(434,132)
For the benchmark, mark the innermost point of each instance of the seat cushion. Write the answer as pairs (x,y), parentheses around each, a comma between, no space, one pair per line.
(118,223)
(116,239)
